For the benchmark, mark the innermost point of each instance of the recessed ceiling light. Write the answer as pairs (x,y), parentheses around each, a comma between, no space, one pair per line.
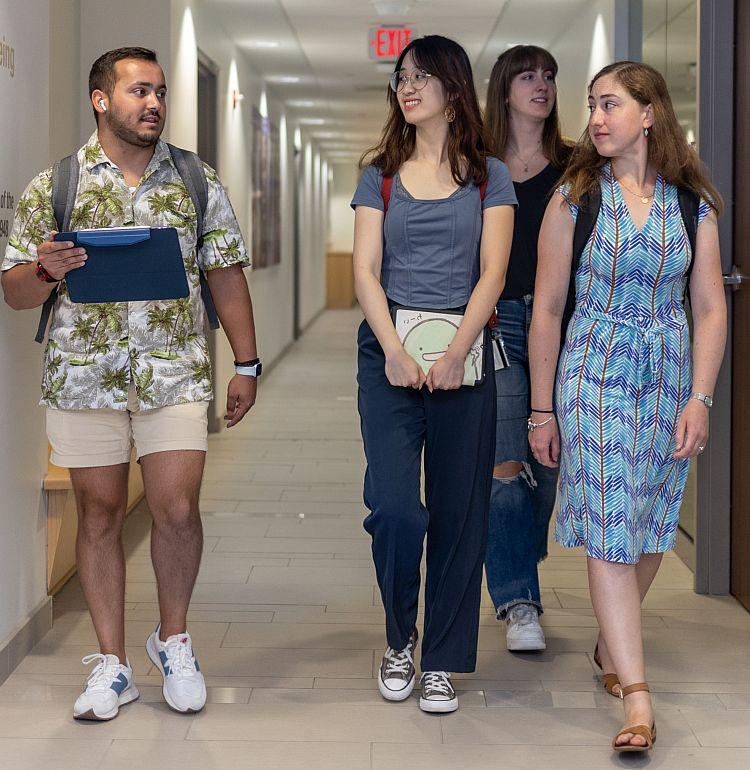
(288,79)
(312,121)
(301,103)
(264,43)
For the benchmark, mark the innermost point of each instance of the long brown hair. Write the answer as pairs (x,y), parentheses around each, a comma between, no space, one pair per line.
(446,60)
(514,61)
(668,149)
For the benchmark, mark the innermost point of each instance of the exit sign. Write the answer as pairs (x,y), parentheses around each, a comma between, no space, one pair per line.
(386,43)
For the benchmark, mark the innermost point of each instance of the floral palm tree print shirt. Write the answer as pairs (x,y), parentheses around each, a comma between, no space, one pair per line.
(96,351)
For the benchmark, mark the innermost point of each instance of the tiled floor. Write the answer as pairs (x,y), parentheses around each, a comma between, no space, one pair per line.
(288,627)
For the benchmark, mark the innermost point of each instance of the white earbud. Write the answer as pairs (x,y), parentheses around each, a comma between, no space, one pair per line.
(102,105)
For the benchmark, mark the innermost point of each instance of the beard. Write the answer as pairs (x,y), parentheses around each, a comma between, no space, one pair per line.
(129,133)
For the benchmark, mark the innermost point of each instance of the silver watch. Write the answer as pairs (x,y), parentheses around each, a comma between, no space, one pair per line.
(707,400)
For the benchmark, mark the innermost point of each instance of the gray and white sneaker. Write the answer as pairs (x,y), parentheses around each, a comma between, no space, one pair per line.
(524,633)
(396,675)
(438,695)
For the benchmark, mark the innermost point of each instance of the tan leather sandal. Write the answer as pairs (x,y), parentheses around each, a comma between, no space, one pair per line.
(644,731)
(610,681)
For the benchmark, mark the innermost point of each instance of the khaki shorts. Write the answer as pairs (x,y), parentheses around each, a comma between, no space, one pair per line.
(91,438)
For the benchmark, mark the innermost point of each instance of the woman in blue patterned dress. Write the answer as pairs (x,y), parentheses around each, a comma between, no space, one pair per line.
(631,398)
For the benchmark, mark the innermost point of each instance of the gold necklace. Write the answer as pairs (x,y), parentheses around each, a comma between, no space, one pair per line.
(526,162)
(644,198)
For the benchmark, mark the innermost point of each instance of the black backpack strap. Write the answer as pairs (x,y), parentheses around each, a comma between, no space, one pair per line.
(190,168)
(588,211)
(64,188)
(689,203)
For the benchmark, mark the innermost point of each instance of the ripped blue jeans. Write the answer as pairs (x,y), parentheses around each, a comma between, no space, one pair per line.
(521,506)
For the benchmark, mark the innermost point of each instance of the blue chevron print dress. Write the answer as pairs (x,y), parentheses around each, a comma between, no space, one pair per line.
(624,377)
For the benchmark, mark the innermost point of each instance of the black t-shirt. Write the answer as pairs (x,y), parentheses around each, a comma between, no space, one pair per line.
(533,196)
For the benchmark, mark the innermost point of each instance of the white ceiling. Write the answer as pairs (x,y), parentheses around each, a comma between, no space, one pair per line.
(323,43)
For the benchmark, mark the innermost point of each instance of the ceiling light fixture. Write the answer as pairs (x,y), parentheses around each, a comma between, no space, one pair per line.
(264,44)
(287,79)
(301,103)
(392,7)
(312,121)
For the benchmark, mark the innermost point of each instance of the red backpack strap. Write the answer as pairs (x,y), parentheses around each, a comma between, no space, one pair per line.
(483,190)
(385,191)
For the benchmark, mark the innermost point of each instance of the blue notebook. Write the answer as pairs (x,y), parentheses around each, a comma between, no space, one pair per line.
(127,264)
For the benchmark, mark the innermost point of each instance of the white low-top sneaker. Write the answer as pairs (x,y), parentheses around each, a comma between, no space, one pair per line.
(109,686)
(438,695)
(184,687)
(524,633)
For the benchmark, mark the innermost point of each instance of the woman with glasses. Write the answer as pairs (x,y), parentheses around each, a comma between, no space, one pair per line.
(523,129)
(433,227)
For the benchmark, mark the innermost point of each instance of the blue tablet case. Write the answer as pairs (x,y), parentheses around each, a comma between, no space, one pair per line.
(127,264)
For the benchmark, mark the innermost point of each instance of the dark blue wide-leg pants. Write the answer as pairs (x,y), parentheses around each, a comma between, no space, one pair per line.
(456,430)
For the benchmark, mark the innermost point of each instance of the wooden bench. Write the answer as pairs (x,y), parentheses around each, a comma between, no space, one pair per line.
(56,484)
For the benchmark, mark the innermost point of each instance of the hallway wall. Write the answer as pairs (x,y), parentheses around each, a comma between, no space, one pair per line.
(345,178)
(23,449)
(193,27)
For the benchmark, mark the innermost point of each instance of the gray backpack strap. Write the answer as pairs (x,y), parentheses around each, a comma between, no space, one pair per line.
(64,188)
(190,168)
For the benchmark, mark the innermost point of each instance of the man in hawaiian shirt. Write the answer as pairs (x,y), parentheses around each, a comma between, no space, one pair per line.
(134,372)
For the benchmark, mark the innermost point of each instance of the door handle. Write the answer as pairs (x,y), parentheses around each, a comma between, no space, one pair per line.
(735,279)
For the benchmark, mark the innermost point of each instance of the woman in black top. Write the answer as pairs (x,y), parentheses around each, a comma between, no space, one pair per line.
(524,131)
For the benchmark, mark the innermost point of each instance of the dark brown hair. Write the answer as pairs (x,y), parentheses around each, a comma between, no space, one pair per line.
(514,61)
(447,61)
(102,73)
(668,149)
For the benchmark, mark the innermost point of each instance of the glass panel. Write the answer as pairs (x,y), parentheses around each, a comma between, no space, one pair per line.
(670,43)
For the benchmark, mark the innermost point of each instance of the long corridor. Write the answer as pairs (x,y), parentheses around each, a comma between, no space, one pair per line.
(288,629)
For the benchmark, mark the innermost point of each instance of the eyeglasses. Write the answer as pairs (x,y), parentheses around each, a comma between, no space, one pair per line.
(418,79)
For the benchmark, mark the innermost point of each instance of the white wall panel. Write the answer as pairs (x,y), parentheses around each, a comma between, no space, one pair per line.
(24,94)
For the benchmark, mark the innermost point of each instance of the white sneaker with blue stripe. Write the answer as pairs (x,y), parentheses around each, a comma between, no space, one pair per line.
(184,687)
(109,686)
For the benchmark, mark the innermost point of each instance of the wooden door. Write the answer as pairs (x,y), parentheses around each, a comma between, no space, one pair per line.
(740,578)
